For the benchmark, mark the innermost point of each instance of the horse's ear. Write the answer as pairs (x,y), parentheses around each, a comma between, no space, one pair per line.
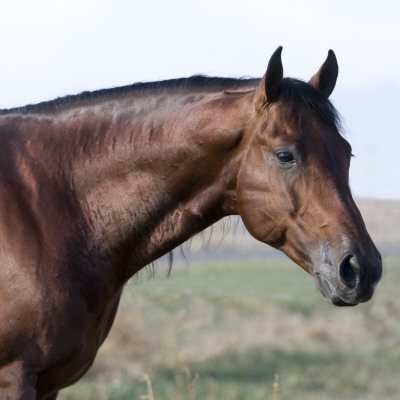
(270,85)
(325,79)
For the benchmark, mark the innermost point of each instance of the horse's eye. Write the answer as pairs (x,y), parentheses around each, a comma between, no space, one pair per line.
(285,157)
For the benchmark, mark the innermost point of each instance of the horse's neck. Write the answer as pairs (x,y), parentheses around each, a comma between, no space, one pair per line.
(168,175)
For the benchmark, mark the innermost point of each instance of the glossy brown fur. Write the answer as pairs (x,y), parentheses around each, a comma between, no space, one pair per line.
(95,187)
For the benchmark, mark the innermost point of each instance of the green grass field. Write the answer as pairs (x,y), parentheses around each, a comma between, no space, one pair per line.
(247,330)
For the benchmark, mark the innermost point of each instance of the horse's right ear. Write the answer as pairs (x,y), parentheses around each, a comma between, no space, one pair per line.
(269,88)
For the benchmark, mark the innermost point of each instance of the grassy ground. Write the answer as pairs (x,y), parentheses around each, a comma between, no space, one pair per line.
(247,330)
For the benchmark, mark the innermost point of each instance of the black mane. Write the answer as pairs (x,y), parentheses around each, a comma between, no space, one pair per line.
(196,82)
(294,94)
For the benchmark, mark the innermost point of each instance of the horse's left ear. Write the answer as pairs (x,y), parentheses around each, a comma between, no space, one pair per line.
(325,79)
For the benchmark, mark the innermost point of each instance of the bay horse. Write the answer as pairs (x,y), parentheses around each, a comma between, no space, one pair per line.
(96,186)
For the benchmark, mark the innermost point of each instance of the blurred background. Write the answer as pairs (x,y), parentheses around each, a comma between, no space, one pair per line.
(236,320)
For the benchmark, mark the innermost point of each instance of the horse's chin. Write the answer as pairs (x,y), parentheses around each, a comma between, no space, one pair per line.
(331,295)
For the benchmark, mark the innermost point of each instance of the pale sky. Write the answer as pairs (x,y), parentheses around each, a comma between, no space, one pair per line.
(52,48)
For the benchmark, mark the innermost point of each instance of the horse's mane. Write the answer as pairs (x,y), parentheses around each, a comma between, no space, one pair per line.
(294,94)
(297,95)
(196,82)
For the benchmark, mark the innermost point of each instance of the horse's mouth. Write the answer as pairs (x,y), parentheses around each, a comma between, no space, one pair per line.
(330,294)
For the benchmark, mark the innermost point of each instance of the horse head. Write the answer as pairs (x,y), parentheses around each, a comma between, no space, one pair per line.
(293,185)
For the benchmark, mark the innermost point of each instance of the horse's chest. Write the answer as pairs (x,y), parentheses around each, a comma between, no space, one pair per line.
(73,342)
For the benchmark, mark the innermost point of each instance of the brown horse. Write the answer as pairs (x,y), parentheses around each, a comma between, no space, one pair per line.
(94,187)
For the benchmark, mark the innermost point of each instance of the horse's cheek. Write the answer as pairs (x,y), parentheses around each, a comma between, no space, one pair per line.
(254,195)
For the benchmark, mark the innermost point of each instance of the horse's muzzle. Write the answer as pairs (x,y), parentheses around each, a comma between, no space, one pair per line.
(352,281)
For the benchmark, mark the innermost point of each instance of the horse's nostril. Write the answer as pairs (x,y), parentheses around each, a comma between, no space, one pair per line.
(349,271)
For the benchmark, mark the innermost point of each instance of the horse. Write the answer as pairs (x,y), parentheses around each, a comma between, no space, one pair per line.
(96,186)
